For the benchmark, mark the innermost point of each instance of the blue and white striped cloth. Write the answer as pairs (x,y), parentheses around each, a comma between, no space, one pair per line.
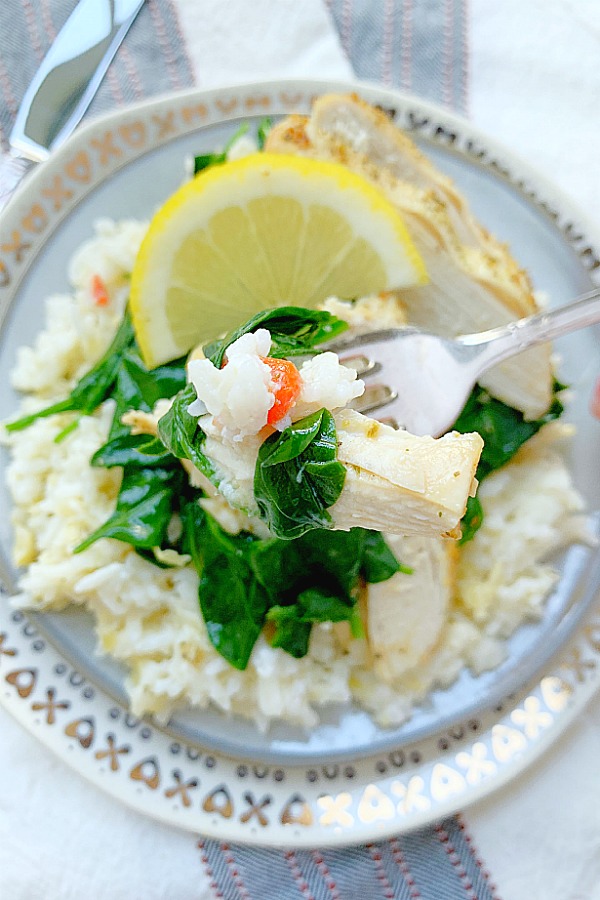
(418,46)
(436,863)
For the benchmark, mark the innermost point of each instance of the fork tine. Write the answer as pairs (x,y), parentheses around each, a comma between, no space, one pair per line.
(361,364)
(375,395)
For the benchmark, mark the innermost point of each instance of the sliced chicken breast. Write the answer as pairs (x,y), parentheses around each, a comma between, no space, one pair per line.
(395,481)
(400,483)
(474,283)
(406,613)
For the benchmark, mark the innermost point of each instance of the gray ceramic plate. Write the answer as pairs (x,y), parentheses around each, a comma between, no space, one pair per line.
(131,172)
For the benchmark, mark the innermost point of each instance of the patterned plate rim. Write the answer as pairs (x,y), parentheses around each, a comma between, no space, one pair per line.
(208,792)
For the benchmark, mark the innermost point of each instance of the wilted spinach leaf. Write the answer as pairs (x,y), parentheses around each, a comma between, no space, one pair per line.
(152,479)
(290,633)
(94,387)
(216,159)
(137,388)
(205,160)
(145,503)
(232,600)
(316,577)
(182,436)
(292,584)
(472,520)
(378,563)
(297,476)
(144,509)
(263,130)
(330,559)
(294,332)
(151,385)
(293,624)
(504,430)
(141,450)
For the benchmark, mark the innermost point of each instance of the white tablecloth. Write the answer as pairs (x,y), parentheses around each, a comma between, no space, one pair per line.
(535,85)
(534,82)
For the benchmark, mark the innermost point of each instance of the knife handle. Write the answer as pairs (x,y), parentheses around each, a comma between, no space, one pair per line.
(70,74)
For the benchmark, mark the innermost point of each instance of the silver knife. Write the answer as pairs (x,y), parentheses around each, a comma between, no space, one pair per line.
(64,85)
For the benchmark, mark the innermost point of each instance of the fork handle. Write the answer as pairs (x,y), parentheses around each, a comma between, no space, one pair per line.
(508,340)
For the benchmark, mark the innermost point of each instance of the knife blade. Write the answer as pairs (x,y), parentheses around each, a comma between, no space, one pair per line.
(65,83)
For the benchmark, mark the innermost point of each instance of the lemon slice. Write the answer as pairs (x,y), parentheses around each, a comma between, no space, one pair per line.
(263,231)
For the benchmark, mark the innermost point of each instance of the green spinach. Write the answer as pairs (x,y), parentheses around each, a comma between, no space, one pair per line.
(182,436)
(151,385)
(378,563)
(293,624)
(262,133)
(294,330)
(297,476)
(138,388)
(95,387)
(334,558)
(232,600)
(504,430)
(152,480)
(292,584)
(472,520)
(140,450)
(206,160)
(316,578)
(144,509)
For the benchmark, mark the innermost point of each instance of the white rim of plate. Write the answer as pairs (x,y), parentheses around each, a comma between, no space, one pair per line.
(210,793)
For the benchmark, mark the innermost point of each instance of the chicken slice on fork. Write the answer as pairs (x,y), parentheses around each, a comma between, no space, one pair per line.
(395,481)
(400,483)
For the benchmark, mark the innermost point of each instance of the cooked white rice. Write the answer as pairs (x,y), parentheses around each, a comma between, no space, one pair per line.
(149,618)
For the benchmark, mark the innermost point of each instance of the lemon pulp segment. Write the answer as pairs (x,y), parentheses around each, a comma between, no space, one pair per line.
(263,231)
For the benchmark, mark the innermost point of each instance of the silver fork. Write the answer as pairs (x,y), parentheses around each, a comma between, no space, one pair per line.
(425,379)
